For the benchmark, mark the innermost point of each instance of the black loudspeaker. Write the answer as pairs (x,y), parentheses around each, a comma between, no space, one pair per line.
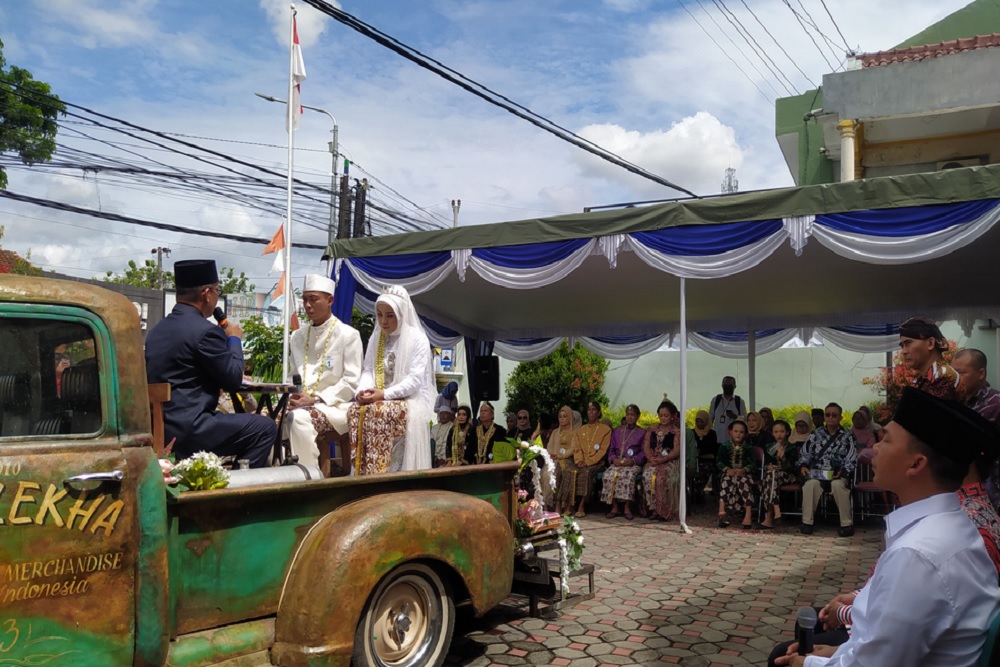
(486,374)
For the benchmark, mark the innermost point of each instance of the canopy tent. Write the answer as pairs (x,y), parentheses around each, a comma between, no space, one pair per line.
(835,257)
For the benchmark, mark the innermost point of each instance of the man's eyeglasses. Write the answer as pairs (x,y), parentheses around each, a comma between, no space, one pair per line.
(833,414)
(522,416)
(217,289)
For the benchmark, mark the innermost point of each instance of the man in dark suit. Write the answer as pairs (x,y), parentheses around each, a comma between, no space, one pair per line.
(199,359)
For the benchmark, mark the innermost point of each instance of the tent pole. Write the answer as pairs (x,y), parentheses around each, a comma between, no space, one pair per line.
(752,363)
(682,506)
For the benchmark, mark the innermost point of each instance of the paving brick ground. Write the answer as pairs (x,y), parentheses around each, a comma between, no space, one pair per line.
(715,597)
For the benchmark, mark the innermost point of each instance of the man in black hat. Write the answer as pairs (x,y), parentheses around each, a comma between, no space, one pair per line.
(932,594)
(922,347)
(200,359)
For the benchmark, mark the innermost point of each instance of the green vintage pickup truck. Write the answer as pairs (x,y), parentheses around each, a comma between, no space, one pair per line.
(102,564)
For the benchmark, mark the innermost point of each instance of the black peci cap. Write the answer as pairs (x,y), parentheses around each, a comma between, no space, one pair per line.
(948,427)
(195,273)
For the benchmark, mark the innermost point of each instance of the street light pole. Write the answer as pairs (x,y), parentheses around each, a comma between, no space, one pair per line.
(159,252)
(334,149)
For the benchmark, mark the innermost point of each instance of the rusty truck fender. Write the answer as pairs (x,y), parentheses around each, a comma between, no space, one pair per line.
(348,551)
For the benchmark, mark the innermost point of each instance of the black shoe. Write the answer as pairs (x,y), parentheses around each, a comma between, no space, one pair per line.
(806,529)
(845,531)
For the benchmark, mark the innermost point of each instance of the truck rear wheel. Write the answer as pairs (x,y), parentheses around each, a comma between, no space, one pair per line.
(408,621)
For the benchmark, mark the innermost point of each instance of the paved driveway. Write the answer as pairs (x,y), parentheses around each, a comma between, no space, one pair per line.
(715,597)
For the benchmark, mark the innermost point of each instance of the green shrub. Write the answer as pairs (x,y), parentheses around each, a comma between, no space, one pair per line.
(563,377)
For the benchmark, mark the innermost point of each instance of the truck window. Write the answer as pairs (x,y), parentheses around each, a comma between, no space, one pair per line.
(49,380)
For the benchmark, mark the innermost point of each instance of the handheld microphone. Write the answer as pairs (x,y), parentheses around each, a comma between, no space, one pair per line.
(297,382)
(220,316)
(805,625)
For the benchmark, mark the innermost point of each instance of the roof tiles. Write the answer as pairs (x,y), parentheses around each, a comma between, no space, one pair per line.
(915,53)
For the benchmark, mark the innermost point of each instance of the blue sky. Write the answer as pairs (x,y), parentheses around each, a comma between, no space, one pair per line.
(640,77)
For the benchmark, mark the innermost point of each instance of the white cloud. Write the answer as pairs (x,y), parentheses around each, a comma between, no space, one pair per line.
(99,23)
(693,153)
(626,5)
(310,22)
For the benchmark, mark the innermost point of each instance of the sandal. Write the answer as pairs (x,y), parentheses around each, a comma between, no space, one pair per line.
(628,516)
(748,526)
(579,515)
(723,521)
(611,515)
(763,527)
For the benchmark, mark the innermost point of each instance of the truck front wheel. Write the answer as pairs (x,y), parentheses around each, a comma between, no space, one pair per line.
(407,622)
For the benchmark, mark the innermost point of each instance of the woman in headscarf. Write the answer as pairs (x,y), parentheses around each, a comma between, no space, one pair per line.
(708,445)
(803,428)
(485,435)
(863,435)
(395,398)
(625,459)
(756,435)
(661,476)
(590,447)
(448,396)
(560,448)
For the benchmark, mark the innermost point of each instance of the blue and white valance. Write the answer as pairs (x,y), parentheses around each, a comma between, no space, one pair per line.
(706,251)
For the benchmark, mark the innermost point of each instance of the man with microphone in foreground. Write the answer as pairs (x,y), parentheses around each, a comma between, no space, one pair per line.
(933,592)
(199,359)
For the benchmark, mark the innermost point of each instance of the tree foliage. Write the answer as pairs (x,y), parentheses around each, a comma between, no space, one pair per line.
(564,377)
(145,276)
(263,346)
(140,276)
(365,324)
(11,262)
(28,112)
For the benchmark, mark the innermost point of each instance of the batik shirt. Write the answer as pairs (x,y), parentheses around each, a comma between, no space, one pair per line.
(940,380)
(823,451)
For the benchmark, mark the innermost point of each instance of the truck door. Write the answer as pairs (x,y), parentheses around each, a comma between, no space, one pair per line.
(67,510)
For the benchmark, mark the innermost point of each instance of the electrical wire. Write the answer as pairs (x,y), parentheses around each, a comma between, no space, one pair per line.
(778,44)
(486,93)
(725,53)
(755,46)
(847,46)
(806,30)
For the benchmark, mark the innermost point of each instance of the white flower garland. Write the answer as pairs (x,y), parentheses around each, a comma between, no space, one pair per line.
(563,567)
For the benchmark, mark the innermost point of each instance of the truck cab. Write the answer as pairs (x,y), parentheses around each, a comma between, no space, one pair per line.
(104,564)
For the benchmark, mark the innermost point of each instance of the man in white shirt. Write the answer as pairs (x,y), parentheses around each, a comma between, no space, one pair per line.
(327,354)
(933,593)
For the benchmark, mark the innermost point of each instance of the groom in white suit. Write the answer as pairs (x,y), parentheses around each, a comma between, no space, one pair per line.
(327,354)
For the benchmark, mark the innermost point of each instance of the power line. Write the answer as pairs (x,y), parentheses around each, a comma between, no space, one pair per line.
(725,53)
(486,93)
(163,226)
(812,22)
(758,50)
(847,46)
(806,30)
(778,44)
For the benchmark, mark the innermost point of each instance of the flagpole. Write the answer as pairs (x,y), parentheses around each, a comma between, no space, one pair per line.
(286,308)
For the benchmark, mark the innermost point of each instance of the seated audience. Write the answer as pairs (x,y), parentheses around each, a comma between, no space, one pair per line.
(863,436)
(448,396)
(662,475)
(560,448)
(543,429)
(522,427)
(817,418)
(803,428)
(927,451)
(625,459)
(485,435)
(439,434)
(736,463)
(766,419)
(781,465)
(708,445)
(395,399)
(756,435)
(460,437)
(511,422)
(875,428)
(590,449)
(826,462)
(976,392)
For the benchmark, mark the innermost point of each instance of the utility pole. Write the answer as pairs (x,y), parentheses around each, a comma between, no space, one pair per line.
(344,222)
(360,193)
(455,205)
(159,252)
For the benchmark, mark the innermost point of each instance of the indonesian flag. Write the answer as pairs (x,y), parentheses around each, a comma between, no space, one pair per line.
(298,73)
(276,245)
(279,289)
